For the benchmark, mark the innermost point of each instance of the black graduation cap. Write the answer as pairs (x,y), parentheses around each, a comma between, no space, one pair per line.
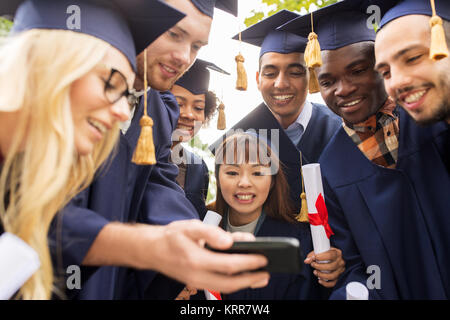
(207,6)
(128,25)
(421,7)
(264,34)
(336,25)
(196,79)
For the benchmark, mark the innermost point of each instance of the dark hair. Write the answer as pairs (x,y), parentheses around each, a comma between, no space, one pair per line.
(210,105)
(277,205)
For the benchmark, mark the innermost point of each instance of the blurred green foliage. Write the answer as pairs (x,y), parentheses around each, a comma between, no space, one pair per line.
(291,5)
(5,26)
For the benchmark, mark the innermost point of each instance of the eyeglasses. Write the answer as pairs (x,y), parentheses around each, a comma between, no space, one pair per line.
(116,87)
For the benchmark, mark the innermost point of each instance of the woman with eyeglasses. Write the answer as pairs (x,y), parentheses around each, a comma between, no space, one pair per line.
(63,91)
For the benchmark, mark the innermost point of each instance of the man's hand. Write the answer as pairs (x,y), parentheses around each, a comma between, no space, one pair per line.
(178,254)
(329,265)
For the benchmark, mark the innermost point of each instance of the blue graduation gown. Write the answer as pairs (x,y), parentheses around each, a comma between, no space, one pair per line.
(397,219)
(302,286)
(196,182)
(321,127)
(124,192)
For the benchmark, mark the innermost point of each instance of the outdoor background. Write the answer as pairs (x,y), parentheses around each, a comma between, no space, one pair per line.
(222,50)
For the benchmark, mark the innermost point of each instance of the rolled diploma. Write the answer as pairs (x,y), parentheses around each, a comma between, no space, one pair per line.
(356,291)
(213,219)
(18,262)
(313,187)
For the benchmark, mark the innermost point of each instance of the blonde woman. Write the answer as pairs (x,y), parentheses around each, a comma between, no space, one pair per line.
(62,95)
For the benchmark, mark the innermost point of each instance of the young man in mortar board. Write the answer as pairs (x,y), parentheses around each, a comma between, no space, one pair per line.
(283,81)
(93,230)
(419,83)
(197,106)
(303,127)
(384,181)
(414,66)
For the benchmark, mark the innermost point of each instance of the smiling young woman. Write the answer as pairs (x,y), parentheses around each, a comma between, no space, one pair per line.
(62,95)
(52,147)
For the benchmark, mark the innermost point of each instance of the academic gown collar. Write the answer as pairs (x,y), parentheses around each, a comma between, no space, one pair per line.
(401,217)
(262,118)
(356,164)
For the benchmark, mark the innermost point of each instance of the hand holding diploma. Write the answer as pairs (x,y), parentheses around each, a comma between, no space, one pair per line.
(328,266)
(327,261)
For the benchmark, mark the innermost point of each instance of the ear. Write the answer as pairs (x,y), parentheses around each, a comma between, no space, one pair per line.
(257,80)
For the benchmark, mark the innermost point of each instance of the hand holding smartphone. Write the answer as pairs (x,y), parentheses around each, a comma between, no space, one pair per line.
(283,253)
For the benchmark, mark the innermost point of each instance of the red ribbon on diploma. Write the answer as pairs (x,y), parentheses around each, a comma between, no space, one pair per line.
(321,217)
(215,294)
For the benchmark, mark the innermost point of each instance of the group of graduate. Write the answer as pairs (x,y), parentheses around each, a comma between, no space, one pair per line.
(76,101)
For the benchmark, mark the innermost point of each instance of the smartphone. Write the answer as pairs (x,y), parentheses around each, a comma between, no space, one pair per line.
(283,253)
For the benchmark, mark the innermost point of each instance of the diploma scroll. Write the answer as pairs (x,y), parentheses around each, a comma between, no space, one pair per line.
(356,291)
(213,219)
(317,213)
(18,262)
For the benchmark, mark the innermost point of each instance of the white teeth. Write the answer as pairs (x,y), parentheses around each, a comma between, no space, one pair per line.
(352,103)
(168,69)
(98,125)
(414,97)
(184,127)
(284,97)
(244,196)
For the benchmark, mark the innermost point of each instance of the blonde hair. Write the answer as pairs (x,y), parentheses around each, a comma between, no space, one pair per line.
(42,170)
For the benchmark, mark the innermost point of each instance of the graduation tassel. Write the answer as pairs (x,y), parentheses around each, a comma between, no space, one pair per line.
(303,215)
(241,82)
(313,82)
(438,46)
(313,58)
(144,154)
(312,51)
(221,120)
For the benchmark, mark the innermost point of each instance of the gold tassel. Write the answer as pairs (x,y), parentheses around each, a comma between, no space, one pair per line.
(241,82)
(144,154)
(221,120)
(303,215)
(313,58)
(313,82)
(438,46)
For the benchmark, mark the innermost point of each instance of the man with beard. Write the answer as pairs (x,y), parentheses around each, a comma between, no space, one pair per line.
(384,180)
(419,84)
(93,229)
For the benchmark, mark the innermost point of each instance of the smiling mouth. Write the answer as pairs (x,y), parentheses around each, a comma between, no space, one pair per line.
(168,70)
(415,96)
(97,125)
(351,103)
(285,98)
(245,197)
(185,128)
